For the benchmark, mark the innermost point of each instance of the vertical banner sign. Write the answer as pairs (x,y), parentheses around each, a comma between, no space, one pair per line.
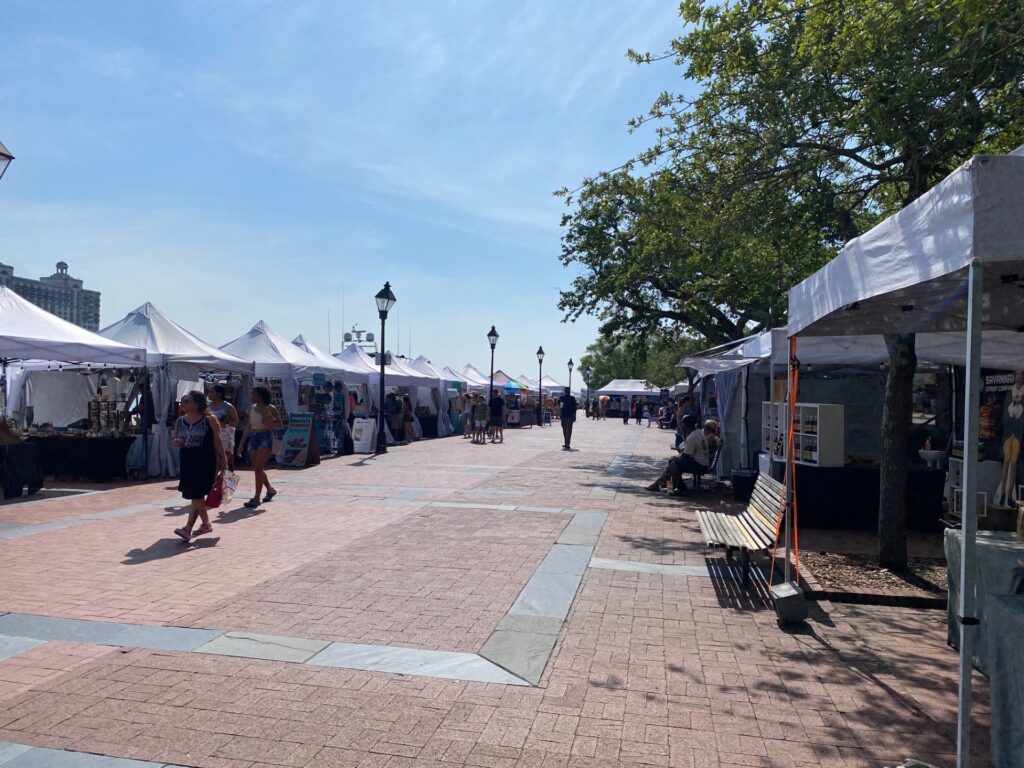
(296,441)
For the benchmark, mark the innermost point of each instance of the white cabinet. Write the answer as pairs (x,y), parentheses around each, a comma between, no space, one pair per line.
(818,439)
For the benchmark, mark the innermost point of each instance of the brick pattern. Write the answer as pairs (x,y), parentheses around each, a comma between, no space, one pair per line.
(650,670)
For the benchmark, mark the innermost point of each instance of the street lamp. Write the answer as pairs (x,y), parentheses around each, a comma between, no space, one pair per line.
(570,375)
(385,301)
(540,386)
(492,339)
(5,159)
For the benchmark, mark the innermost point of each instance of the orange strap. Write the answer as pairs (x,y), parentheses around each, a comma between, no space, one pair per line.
(794,381)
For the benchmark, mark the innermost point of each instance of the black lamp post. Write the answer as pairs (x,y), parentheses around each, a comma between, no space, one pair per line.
(385,301)
(570,375)
(5,159)
(540,386)
(492,339)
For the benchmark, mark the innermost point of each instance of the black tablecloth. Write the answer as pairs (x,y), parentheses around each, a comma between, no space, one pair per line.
(846,498)
(95,459)
(20,469)
(429,425)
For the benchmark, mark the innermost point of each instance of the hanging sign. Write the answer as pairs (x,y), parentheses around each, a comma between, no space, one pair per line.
(319,379)
(364,435)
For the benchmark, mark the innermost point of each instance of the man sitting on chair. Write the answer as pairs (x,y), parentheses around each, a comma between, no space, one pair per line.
(693,457)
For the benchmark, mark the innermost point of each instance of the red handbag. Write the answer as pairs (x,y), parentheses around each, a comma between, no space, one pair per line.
(213,498)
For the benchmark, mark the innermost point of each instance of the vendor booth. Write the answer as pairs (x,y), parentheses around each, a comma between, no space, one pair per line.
(33,339)
(295,379)
(950,262)
(329,399)
(478,382)
(621,394)
(446,395)
(400,378)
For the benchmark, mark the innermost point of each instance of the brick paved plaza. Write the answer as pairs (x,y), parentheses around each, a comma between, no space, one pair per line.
(396,611)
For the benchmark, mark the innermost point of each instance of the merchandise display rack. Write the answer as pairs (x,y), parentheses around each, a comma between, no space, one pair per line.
(819,439)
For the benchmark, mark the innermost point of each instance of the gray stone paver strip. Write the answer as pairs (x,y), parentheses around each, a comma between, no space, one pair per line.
(413,661)
(12,646)
(269,647)
(164,638)
(524,654)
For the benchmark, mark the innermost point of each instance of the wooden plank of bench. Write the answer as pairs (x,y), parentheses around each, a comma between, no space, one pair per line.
(750,540)
(721,535)
(705,529)
(724,529)
(762,537)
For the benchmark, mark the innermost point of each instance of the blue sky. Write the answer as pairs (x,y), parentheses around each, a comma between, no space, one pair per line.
(239,161)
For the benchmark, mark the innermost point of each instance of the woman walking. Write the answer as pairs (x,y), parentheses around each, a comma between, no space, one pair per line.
(259,433)
(197,435)
(227,416)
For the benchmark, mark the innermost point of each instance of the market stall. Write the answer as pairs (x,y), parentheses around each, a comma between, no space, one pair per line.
(622,393)
(951,261)
(446,394)
(33,339)
(291,374)
(329,399)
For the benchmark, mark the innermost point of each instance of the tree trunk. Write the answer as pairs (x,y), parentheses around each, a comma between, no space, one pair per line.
(897,416)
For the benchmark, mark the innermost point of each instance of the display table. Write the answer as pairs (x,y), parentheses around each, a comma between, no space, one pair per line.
(92,459)
(1006,662)
(20,470)
(999,571)
(846,498)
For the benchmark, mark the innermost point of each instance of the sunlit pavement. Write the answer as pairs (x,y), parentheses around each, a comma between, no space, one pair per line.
(445,604)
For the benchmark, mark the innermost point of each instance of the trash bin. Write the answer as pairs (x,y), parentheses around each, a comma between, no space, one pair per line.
(743,483)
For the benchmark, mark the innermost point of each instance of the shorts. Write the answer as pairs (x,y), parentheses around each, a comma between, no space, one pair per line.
(480,423)
(258,440)
(495,422)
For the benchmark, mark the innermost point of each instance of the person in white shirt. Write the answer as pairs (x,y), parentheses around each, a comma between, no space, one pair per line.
(693,457)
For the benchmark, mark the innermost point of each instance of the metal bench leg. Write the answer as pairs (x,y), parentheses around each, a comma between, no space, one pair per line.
(728,554)
(745,560)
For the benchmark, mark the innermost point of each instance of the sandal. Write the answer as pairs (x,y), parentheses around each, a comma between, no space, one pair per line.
(185,535)
(202,530)
(251,504)
(270,496)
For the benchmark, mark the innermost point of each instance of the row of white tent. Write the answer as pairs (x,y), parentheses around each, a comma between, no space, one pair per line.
(33,341)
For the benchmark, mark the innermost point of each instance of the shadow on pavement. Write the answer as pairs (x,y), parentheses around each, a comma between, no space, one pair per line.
(238,514)
(164,548)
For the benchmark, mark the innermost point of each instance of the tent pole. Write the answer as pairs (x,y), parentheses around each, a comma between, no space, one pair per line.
(969,512)
(145,428)
(744,428)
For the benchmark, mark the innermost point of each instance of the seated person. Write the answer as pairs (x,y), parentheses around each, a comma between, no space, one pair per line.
(693,457)
(711,435)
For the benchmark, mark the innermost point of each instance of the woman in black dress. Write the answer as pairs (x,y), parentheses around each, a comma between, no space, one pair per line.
(197,435)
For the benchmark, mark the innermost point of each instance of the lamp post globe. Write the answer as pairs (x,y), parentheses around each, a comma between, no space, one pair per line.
(571,365)
(540,386)
(385,299)
(5,159)
(492,339)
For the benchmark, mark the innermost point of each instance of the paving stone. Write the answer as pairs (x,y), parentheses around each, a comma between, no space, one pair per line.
(413,661)
(53,628)
(565,558)
(580,535)
(10,751)
(165,638)
(39,757)
(547,594)
(525,654)
(269,647)
(12,646)
(542,625)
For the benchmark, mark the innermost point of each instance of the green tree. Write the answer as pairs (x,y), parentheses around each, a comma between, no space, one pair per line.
(853,108)
(679,251)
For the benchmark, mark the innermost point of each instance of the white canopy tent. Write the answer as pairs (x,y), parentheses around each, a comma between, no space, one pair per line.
(444,422)
(951,261)
(629,388)
(356,357)
(30,333)
(476,379)
(33,339)
(341,371)
(274,357)
(454,376)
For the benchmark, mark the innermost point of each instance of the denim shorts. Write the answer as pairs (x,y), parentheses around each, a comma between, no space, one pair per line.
(259,440)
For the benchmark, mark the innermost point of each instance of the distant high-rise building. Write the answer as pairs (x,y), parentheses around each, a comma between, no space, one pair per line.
(59,294)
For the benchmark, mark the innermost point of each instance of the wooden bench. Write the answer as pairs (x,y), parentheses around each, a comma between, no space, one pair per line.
(752,530)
